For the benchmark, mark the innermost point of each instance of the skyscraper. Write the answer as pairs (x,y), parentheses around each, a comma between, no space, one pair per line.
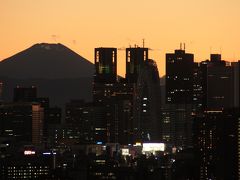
(147,102)
(179,77)
(135,58)
(236,69)
(176,119)
(23,94)
(105,65)
(217,78)
(216,142)
(37,123)
(104,88)
(22,121)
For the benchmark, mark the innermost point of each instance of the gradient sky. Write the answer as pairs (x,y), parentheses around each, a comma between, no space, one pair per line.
(204,25)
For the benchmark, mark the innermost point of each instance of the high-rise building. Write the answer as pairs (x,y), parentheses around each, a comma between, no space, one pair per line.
(1,91)
(176,119)
(236,69)
(179,77)
(80,114)
(105,65)
(135,58)
(217,83)
(216,142)
(176,125)
(23,94)
(22,121)
(147,102)
(37,124)
(104,88)
(29,166)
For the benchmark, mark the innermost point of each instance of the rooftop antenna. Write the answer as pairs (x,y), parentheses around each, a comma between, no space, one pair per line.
(54,37)
(180,46)
(143,42)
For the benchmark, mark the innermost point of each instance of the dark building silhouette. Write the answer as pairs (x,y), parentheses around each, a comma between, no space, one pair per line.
(22,121)
(135,58)
(22,166)
(216,141)
(216,133)
(73,111)
(23,94)
(147,102)
(113,108)
(176,118)
(54,115)
(114,97)
(216,57)
(236,69)
(179,77)
(105,65)
(199,87)
(176,125)
(104,87)
(80,114)
(1,91)
(217,84)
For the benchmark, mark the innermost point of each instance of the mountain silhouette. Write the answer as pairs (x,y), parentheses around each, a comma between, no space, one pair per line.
(50,61)
(58,73)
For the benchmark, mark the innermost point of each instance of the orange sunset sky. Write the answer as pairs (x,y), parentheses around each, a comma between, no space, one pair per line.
(204,25)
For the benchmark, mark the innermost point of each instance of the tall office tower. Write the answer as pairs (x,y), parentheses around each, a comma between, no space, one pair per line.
(124,102)
(22,94)
(176,125)
(147,102)
(176,120)
(79,114)
(104,88)
(236,69)
(198,91)
(1,91)
(106,65)
(135,58)
(22,121)
(179,77)
(218,83)
(216,142)
(106,73)
(37,124)
(74,110)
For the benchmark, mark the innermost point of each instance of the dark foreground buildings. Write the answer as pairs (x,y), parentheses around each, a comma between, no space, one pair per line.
(217,144)
(216,124)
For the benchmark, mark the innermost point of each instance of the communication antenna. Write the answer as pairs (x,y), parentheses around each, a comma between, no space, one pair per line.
(143,41)
(54,37)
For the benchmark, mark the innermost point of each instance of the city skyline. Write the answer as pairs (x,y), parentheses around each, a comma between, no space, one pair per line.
(120,90)
(82,26)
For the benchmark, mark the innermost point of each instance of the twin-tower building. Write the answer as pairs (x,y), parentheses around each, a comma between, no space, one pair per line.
(131,103)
